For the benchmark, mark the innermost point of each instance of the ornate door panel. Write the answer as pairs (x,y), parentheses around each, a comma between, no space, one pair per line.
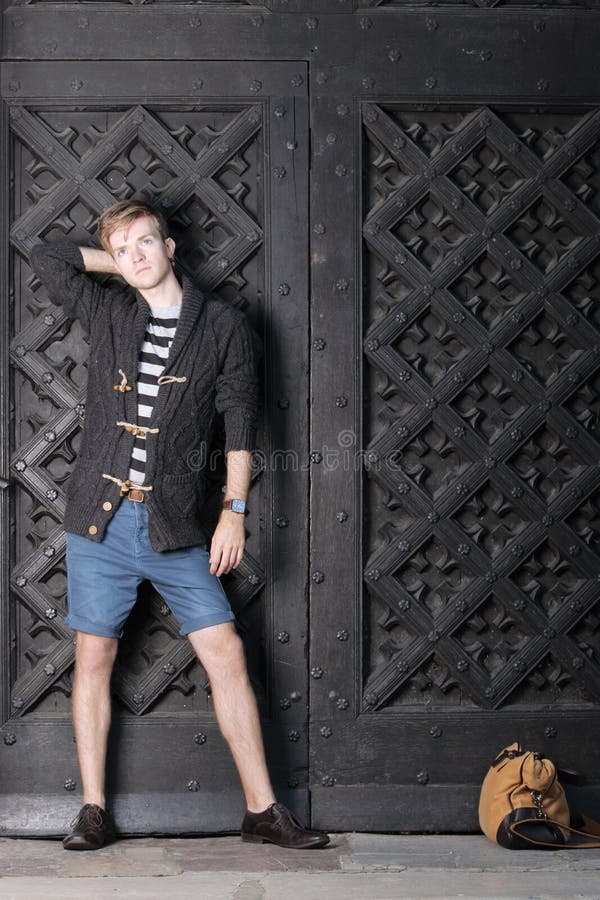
(230,173)
(455,441)
(453,339)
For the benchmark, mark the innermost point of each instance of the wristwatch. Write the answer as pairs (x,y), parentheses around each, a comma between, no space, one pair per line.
(237,506)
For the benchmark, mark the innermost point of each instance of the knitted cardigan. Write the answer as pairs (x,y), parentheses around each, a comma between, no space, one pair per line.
(213,351)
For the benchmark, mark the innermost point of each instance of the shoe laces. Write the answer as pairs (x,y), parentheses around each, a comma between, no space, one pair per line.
(283,811)
(90,816)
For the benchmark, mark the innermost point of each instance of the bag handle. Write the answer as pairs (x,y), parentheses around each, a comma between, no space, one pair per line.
(593,833)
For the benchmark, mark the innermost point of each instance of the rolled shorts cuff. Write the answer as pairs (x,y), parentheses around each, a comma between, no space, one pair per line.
(99,629)
(216,618)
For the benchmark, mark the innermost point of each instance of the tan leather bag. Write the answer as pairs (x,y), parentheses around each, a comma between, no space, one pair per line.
(523,805)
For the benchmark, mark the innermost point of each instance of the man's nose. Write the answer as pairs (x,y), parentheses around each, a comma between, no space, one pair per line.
(139,254)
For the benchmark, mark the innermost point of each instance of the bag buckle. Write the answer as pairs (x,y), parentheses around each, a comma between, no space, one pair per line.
(537,798)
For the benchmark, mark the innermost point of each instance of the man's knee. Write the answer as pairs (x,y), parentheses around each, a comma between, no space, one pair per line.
(95,655)
(220,650)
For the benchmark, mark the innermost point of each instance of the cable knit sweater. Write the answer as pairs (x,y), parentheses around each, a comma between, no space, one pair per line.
(212,356)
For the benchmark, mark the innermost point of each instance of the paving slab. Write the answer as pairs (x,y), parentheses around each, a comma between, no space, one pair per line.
(385,851)
(407,885)
(353,867)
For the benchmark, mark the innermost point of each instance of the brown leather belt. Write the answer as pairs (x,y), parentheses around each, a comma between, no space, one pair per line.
(136,495)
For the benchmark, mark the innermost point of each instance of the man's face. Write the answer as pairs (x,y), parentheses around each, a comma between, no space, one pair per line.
(141,255)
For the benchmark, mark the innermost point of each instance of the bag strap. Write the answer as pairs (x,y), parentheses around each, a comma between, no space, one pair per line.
(592,833)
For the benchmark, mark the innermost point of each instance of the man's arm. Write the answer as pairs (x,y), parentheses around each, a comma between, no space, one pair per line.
(98,260)
(62,267)
(227,546)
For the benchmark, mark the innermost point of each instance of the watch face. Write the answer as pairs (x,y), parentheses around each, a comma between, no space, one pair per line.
(238,506)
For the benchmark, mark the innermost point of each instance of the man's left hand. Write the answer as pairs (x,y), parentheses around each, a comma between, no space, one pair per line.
(227,545)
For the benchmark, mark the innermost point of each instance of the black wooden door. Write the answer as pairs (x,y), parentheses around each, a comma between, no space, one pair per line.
(455,555)
(452,345)
(230,171)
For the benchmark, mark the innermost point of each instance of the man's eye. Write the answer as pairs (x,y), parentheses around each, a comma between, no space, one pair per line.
(121,252)
(147,240)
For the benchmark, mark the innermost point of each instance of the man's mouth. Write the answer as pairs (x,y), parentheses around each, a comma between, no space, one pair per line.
(143,269)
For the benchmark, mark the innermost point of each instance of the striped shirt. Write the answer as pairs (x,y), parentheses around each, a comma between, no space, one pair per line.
(152,360)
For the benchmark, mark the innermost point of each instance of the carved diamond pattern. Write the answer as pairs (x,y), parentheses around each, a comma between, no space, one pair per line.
(583,178)
(488,290)
(548,580)
(491,637)
(544,349)
(544,235)
(491,520)
(433,577)
(430,232)
(137,169)
(583,292)
(72,170)
(431,346)
(487,177)
(547,464)
(483,556)
(432,461)
(140,156)
(490,405)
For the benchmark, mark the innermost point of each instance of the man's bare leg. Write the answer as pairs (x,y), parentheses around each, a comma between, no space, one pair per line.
(91,708)
(221,652)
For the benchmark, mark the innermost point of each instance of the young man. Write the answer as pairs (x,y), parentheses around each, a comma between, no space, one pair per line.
(164,359)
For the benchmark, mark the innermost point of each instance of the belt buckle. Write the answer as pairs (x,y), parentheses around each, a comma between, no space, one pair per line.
(136,495)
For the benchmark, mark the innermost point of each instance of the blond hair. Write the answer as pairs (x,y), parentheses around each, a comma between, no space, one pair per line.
(124,214)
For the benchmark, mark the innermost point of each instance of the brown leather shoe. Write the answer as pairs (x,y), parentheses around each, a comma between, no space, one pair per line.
(277,825)
(92,829)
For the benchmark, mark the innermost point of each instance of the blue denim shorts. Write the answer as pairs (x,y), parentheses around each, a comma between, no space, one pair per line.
(102,578)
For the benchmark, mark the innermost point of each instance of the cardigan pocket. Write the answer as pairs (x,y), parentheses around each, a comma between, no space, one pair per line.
(181,493)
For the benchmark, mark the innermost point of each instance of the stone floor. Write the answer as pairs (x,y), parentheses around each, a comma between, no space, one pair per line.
(354,867)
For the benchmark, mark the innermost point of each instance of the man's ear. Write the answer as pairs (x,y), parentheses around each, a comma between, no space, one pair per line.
(170,244)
